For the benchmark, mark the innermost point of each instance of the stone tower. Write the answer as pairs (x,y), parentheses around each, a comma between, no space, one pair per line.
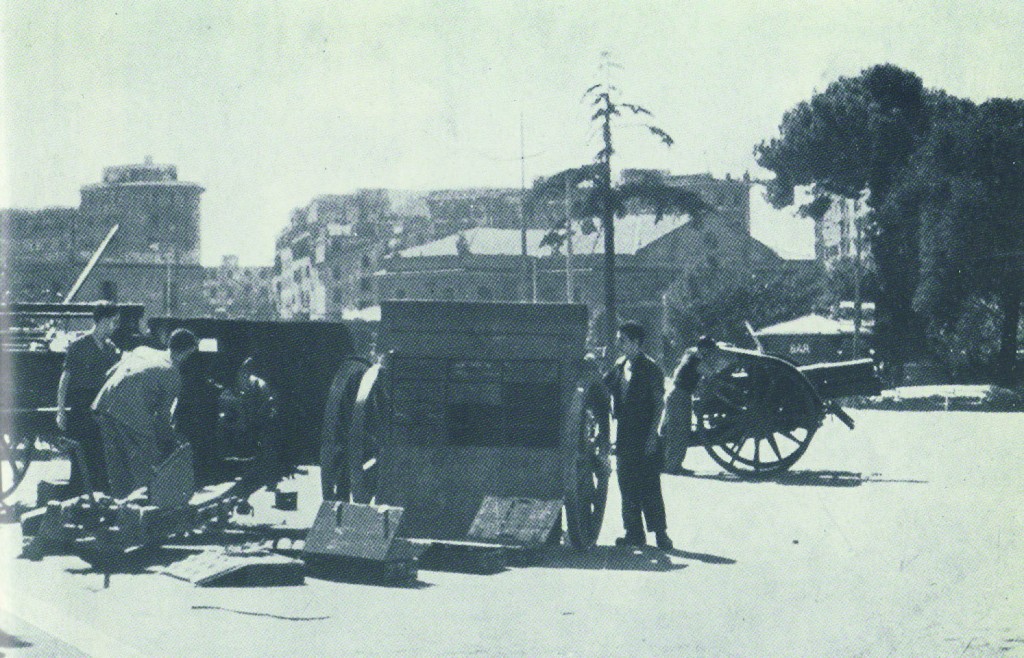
(158,214)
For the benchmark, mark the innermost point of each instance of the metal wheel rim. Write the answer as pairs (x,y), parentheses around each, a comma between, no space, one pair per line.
(15,458)
(772,427)
(362,448)
(337,428)
(587,492)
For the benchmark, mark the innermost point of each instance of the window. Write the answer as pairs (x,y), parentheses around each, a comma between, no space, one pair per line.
(108,291)
(338,295)
(364,284)
(366,260)
(297,275)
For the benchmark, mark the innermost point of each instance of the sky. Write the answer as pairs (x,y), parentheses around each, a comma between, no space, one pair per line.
(269,104)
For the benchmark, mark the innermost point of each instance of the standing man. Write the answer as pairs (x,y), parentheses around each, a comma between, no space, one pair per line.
(637,386)
(677,424)
(85,369)
(135,409)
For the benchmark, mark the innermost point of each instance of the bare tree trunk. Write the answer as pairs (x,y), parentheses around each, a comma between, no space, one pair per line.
(1007,360)
(608,226)
(611,321)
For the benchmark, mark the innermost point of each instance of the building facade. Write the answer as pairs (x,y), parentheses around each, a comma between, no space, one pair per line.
(143,222)
(840,233)
(343,253)
(659,264)
(233,291)
(326,257)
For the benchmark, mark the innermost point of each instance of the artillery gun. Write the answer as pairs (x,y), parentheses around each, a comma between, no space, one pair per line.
(757,413)
(482,421)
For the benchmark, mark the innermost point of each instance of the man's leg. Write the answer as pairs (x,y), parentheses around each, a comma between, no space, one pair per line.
(132,456)
(654,504)
(118,474)
(676,430)
(92,450)
(632,505)
(652,500)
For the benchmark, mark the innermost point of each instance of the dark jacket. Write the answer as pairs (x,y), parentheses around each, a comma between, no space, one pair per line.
(635,406)
(686,375)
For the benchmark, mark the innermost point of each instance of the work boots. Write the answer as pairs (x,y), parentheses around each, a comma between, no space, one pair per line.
(664,542)
(631,540)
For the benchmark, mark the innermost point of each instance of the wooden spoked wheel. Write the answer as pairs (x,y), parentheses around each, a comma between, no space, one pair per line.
(586,444)
(15,458)
(363,443)
(757,417)
(337,429)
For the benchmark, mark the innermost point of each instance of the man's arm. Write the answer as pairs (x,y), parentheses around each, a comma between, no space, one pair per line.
(686,374)
(62,397)
(163,400)
(658,395)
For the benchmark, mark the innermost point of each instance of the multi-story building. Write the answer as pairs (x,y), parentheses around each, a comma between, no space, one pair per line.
(839,234)
(329,252)
(145,220)
(730,197)
(158,214)
(233,291)
(327,255)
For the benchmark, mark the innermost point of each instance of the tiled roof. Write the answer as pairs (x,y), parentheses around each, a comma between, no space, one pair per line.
(811,325)
(631,234)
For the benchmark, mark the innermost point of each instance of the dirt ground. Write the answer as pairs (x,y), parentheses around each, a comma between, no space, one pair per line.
(900,538)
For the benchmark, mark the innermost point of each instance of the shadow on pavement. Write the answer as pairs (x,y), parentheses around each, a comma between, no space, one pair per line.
(364,576)
(706,558)
(138,562)
(810,479)
(8,641)
(606,558)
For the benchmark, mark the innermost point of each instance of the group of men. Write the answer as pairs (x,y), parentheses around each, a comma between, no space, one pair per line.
(652,429)
(119,407)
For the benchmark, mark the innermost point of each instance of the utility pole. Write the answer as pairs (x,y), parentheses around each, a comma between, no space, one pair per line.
(569,283)
(856,281)
(522,207)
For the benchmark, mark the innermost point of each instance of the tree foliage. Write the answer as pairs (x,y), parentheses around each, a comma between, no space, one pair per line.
(970,175)
(594,198)
(761,298)
(945,190)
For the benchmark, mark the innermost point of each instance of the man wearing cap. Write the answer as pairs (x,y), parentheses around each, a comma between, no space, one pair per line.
(86,363)
(134,410)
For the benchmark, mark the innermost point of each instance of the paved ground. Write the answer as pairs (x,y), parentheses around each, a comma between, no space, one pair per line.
(901,538)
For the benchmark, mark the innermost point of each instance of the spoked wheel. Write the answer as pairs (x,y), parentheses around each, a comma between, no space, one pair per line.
(363,443)
(757,418)
(586,442)
(15,457)
(337,429)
